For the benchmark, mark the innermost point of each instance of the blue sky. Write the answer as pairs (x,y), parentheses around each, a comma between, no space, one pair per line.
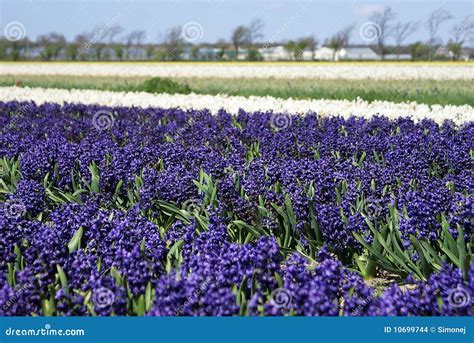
(284,19)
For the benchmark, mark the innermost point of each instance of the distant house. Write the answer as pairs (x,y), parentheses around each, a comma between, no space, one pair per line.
(357,53)
(308,55)
(200,53)
(243,55)
(324,54)
(274,53)
(347,53)
(212,54)
(399,57)
(279,53)
(206,54)
(467,54)
(33,52)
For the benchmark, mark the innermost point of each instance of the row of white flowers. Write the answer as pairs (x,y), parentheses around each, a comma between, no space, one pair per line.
(354,71)
(345,108)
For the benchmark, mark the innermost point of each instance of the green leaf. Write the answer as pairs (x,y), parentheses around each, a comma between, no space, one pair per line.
(451,255)
(63,279)
(314,224)
(11,275)
(49,307)
(278,279)
(425,266)
(116,275)
(139,305)
(95,179)
(242,225)
(362,268)
(148,297)
(289,210)
(171,209)
(361,159)
(379,256)
(18,258)
(463,256)
(432,252)
(175,249)
(450,241)
(75,243)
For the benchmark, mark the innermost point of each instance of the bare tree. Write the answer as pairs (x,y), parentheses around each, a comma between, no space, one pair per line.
(97,40)
(401,32)
(464,31)
(150,51)
(52,44)
(114,31)
(296,49)
(133,39)
(301,46)
(254,31)
(433,24)
(340,39)
(290,48)
(222,44)
(139,39)
(383,20)
(239,36)
(460,34)
(129,38)
(173,44)
(311,43)
(82,40)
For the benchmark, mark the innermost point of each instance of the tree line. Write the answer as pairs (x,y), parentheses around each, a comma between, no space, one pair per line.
(385,34)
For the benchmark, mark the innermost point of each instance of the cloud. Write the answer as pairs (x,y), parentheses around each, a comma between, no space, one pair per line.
(276,5)
(366,10)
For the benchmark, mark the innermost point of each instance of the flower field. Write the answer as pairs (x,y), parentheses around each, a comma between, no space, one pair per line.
(170,211)
(350,71)
(232,104)
(133,204)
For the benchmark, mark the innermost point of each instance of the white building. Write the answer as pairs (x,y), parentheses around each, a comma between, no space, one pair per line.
(274,53)
(351,53)
(400,57)
(308,55)
(324,54)
(466,53)
(348,53)
(278,53)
